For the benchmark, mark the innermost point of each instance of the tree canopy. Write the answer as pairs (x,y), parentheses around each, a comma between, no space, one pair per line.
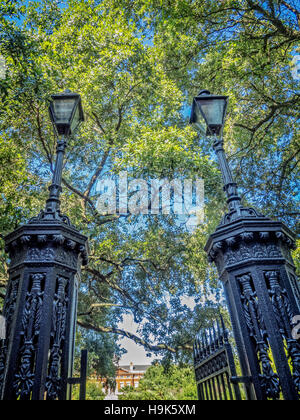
(161,383)
(137,65)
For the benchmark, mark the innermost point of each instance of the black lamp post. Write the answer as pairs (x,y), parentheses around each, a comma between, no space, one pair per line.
(209,113)
(36,358)
(253,258)
(66,114)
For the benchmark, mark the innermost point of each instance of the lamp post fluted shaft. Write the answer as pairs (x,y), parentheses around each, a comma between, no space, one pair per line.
(53,203)
(55,188)
(230,186)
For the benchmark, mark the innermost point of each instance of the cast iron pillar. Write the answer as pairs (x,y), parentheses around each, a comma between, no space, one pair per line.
(253,257)
(46,255)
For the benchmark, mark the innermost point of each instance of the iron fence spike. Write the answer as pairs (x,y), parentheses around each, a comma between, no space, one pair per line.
(219,333)
(204,344)
(215,336)
(222,323)
(212,341)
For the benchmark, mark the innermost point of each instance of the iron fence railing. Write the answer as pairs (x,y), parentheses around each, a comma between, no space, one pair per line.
(215,369)
(81,381)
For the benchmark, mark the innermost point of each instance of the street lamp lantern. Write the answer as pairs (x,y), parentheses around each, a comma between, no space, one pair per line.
(66,112)
(209,112)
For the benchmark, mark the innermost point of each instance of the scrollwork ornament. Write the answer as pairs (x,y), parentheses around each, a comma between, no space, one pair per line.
(60,306)
(269,379)
(70,244)
(231,241)
(9,310)
(247,236)
(24,375)
(273,251)
(42,239)
(281,236)
(259,251)
(25,239)
(264,235)
(245,252)
(231,257)
(284,317)
(58,239)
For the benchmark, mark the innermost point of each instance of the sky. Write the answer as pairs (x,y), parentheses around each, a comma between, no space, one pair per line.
(136,353)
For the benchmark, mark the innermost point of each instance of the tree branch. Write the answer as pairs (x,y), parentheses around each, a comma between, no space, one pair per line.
(284,168)
(292,9)
(105,279)
(135,338)
(99,169)
(98,305)
(273,19)
(123,293)
(41,137)
(98,123)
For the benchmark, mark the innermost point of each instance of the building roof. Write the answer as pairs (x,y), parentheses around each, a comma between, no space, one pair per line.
(136,368)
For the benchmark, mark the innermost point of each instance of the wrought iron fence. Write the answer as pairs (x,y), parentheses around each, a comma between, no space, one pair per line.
(215,369)
(81,381)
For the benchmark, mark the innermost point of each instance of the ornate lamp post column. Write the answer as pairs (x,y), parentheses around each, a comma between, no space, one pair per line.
(253,257)
(36,359)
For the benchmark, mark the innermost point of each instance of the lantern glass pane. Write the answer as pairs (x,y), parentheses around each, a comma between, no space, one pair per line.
(199,120)
(63,109)
(213,110)
(76,120)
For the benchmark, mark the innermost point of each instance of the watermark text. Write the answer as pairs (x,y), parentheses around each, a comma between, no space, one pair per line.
(179,197)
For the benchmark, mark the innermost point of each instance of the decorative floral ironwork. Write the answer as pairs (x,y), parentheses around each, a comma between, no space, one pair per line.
(9,310)
(24,374)
(67,257)
(40,254)
(60,307)
(244,251)
(269,379)
(284,317)
(58,239)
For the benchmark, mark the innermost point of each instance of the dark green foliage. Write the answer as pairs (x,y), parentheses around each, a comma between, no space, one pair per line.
(159,383)
(137,65)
